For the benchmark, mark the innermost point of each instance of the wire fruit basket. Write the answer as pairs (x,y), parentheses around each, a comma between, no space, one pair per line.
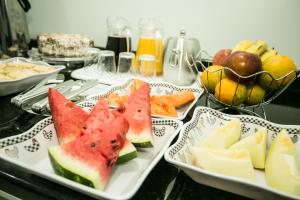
(230,98)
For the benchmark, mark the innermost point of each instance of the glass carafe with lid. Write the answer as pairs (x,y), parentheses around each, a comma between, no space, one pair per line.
(150,42)
(119,35)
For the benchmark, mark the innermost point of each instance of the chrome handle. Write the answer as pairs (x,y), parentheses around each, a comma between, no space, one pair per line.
(173,60)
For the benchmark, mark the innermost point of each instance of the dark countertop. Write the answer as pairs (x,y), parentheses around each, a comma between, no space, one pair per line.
(15,181)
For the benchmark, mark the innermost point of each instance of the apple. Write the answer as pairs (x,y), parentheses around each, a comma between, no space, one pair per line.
(220,56)
(282,170)
(224,136)
(233,162)
(256,144)
(243,63)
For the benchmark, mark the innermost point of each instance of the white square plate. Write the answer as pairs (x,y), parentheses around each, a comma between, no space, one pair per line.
(203,122)
(157,88)
(29,150)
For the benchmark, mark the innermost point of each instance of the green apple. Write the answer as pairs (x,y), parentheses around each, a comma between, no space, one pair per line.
(224,136)
(231,162)
(256,144)
(282,170)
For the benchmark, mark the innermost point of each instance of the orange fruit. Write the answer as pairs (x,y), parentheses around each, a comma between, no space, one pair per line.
(255,95)
(230,92)
(278,66)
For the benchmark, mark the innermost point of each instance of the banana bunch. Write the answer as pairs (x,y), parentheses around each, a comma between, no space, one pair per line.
(242,45)
(268,54)
(258,47)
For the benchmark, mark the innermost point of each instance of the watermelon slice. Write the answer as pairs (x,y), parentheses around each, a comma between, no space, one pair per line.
(128,152)
(90,157)
(68,118)
(138,115)
(100,114)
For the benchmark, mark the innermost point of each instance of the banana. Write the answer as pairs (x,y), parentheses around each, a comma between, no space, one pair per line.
(242,45)
(258,48)
(269,53)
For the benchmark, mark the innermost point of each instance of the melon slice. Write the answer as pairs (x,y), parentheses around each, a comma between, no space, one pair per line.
(138,115)
(68,118)
(235,162)
(256,145)
(162,106)
(282,170)
(224,136)
(90,157)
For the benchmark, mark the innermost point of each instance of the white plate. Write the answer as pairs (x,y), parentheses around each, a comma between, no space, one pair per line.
(13,86)
(203,122)
(29,150)
(107,78)
(157,88)
(35,54)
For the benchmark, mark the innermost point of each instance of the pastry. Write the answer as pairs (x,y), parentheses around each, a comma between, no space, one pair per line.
(63,44)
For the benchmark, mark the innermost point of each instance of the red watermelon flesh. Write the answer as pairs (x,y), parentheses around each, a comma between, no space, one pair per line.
(89,158)
(68,118)
(102,122)
(118,111)
(100,114)
(138,115)
(138,109)
(100,150)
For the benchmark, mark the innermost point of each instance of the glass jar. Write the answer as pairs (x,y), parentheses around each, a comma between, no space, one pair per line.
(150,42)
(119,36)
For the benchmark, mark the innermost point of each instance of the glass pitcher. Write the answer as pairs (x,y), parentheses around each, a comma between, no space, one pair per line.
(119,36)
(150,43)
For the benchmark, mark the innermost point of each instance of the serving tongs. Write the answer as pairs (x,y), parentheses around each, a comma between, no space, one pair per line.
(25,99)
(70,92)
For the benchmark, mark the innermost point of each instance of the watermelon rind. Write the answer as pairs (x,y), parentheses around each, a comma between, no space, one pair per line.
(75,170)
(127,153)
(143,139)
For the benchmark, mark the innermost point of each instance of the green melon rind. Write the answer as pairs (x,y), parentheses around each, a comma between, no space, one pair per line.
(127,153)
(67,167)
(143,139)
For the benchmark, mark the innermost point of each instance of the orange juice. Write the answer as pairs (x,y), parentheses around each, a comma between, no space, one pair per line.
(150,46)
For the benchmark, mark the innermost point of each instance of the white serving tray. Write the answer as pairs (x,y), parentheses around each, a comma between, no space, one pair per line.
(204,120)
(29,151)
(157,88)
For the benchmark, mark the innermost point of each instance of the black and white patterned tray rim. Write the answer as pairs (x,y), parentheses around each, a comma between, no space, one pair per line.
(87,105)
(171,86)
(168,89)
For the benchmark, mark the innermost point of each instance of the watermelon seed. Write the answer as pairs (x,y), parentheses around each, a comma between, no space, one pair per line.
(93,144)
(139,110)
(110,163)
(113,141)
(116,147)
(120,110)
